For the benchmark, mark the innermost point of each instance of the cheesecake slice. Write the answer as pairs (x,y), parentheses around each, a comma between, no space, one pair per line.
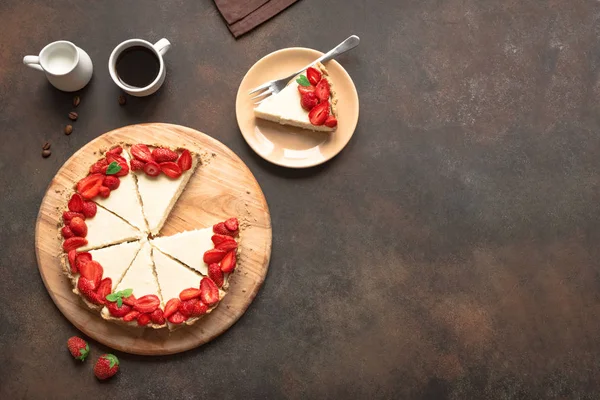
(116,259)
(286,108)
(187,247)
(106,229)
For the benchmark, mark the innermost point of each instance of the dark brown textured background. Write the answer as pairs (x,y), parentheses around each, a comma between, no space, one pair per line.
(451,251)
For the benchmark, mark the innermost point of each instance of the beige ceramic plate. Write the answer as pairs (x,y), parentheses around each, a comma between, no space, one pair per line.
(289,146)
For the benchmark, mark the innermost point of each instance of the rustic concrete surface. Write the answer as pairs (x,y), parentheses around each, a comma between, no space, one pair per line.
(449,252)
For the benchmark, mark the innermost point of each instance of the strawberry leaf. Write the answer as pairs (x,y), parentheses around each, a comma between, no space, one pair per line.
(112,359)
(113,168)
(303,80)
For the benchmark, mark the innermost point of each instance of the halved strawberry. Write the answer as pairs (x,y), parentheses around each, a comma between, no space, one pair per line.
(130,301)
(331,122)
(323,90)
(199,309)
(161,154)
(113,157)
(227,246)
(66,232)
(75,203)
(99,167)
(141,152)
(104,192)
(306,89)
(217,239)
(170,169)
(152,169)
(313,75)
(111,182)
(185,160)
(93,271)
(78,227)
(104,289)
(215,273)
(143,319)
(116,150)
(86,287)
(189,293)
(232,224)
(69,215)
(221,229)
(73,243)
(89,186)
(177,318)
(147,303)
(124,168)
(171,307)
(137,165)
(187,307)
(132,315)
(228,262)
(210,292)
(72,256)
(214,256)
(82,258)
(89,209)
(117,311)
(309,100)
(319,114)
(157,317)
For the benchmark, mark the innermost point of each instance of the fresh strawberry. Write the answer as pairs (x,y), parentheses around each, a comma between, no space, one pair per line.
(228,262)
(210,292)
(323,91)
(161,154)
(86,287)
(116,150)
(89,209)
(104,192)
(78,227)
(66,232)
(309,100)
(124,168)
(73,243)
(214,256)
(78,348)
(177,318)
(69,215)
(152,169)
(147,304)
(170,169)
(117,311)
(227,246)
(82,258)
(199,309)
(319,114)
(72,256)
(331,121)
(187,307)
(171,307)
(131,316)
(217,239)
(75,203)
(104,289)
(215,273)
(185,160)
(221,229)
(137,165)
(130,300)
(306,89)
(232,224)
(89,186)
(106,366)
(141,152)
(112,157)
(190,293)
(93,271)
(111,182)
(313,75)
(143,319)
(99,167)
(157,317)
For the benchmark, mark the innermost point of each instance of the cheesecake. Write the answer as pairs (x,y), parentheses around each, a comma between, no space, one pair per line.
(187,247)
(116,260)
(106,229)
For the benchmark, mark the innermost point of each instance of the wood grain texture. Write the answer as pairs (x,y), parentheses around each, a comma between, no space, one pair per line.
(222,187)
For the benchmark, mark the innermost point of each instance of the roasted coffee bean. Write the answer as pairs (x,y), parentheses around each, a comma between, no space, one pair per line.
(46,146)
(46,153)
(73,116)
(76,101)
(68,129)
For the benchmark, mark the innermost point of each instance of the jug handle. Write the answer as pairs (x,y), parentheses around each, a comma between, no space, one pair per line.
(162,46)
(33,62)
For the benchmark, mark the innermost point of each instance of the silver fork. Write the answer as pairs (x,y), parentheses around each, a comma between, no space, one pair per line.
(277,85)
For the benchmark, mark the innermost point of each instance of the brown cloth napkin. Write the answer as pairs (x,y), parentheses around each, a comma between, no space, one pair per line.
(244,15)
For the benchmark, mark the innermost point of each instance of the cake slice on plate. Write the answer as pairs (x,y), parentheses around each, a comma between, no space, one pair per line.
(105,229)
(307,102)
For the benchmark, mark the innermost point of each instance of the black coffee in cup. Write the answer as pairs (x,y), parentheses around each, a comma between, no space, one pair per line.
(137,66)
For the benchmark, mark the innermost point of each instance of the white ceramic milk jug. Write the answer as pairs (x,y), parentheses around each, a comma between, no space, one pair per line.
(67,67)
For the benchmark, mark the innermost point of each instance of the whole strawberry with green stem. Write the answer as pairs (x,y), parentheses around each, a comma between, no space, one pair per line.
(78,348)
(106,366)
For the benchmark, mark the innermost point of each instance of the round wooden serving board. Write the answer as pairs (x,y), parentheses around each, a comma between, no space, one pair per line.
(221,187)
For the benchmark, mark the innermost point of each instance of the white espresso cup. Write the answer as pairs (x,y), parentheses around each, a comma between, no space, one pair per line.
(159,49)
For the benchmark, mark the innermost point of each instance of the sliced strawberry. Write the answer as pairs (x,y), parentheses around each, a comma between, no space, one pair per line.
(78,227)
(99,167)
(141,152)
(323,91)
(82,258)
(143,319)
(171,307)
(319,114)
(199,309)
(215,273)
(152,169)
(132,315)
(214,256)
(75,203)
(91,270)
(72,256)
(210,292)
(111,182)
(221,229)
(157,317)
(66,232)
(147,304)
(86,287)
(124,168)
(104,192)
(227,246)
(309,100)
(331,121)
(89,186)
(190,293)
(232,224)
(130,301)
(137,165)
(185,160)
(187,307)
(117,311)
(69,215)
(177,318)
(217,239)
(112,157)
(89,209)
(161,154)
(170,169)
(73,243)
(104,289)
(306,89)
(228,263)
(116,150)
(313,75)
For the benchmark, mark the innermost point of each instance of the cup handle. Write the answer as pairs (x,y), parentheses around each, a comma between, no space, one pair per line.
(162,46)
(32,62)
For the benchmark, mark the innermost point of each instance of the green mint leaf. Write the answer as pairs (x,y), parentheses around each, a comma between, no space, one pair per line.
(126,292)
(113,168)
(303,81)
(119,302)
(112,297)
